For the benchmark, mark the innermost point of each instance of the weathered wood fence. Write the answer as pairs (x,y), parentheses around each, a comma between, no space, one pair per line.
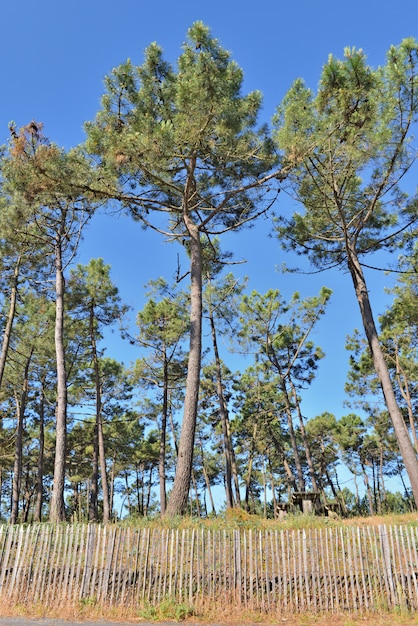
(327,569)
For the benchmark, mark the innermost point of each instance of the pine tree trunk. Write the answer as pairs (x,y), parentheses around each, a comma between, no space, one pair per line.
(405,445)
(206,477)
(250,470)
(40,467)
(103,472)
(291,481)
(17,470)
(163,441)
(57,507)
(292,434)
(368,490)
(17,465)
(224,417)
(304,438)
(93,501)
(178,499)
(406,395)
(10,320)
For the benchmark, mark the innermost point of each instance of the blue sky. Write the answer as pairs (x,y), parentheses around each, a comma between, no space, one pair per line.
(54,56)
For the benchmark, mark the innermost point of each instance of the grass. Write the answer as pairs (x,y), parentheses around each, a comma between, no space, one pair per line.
(171,612)
(239,519)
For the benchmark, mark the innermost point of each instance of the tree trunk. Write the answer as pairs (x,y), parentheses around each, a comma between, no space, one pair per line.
(196,491)
(57,508)
(288,410)
(291,481)
(263,473)
(405,445)
(292,434)
(304,438)
(17,465)
(368,489)
(10,319)
(250,470)
(112,487)
(17,469)
(99,455)
(163,440)
(406,395)
(94,480)
(224,417)
(206,477)
(178,499)
(40,467)
(103,472)
(273,488)
(234,468)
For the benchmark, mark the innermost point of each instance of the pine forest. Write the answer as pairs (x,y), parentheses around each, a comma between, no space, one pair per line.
(210,413)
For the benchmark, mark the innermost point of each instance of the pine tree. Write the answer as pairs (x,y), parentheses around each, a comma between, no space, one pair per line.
(361,122)
(183,143)
(94,299)
(37,175)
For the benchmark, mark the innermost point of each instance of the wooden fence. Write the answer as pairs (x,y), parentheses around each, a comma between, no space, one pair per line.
(327,569)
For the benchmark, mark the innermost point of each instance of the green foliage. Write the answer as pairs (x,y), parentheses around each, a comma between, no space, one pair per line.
(358,126)
(162,126)
(168,609)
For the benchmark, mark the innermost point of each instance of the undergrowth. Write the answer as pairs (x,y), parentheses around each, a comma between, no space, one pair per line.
(233,519)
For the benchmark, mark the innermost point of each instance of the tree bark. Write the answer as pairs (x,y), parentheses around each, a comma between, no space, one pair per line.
(17,468)
(10,319)
(99,454)
(163,440)
(206,477)
(250,470)
(292,434)
(57,507)
(304,438)
(401,432)
(40,468)
(224,417)
(177,503)
(406,395)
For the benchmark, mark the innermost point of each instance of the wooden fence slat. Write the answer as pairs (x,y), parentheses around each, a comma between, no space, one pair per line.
(362,560)
(172,565)
(413,567)
(102,569)
(125,568)
(42,592)
(67,561)
(387,563)
(80,553)
(34,589)
(115,561)
(405,582)
(140,573)
(16,567)
(352,569)
(74,561)
(377,573)
(134,580)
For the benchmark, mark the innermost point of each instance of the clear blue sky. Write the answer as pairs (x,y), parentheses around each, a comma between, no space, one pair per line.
(55,54)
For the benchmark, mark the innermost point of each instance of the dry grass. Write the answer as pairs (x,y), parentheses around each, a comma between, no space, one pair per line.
(237,518)
(228,616)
